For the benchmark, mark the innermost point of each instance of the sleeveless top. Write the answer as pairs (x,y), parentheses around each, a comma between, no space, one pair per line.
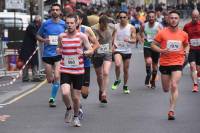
(71,62)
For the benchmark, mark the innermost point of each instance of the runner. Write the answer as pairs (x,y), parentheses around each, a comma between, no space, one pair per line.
(151,57)
(48,34)
(87,63)
(193,30)
(124,36)
(71,44)
(102,58)
(171,42)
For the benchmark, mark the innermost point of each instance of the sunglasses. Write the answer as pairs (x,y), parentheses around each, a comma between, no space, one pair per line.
(122,17)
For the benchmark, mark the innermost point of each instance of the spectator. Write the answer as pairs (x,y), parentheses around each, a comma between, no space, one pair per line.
(27,49)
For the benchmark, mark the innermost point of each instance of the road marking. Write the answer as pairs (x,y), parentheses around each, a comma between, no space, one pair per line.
(24,94)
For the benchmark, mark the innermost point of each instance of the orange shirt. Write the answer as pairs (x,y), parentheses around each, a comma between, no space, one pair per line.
(175,42)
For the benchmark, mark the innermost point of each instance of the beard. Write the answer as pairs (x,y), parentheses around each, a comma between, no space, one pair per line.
(172,26)
(55,16)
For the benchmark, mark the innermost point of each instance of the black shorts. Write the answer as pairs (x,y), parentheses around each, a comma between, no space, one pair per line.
(98,60)
(51,60)
(194,56)
(167,70)
(148,52)
(86,77)
(75,80)
(124,56)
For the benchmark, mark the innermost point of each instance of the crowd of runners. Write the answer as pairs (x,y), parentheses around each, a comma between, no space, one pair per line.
(75,41)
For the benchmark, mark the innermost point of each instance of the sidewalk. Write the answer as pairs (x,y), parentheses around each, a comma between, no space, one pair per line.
(11,91)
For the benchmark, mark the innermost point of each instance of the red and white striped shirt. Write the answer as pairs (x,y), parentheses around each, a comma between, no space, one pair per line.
(71,62)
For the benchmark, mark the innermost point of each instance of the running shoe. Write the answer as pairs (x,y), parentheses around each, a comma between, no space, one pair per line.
(69,115)
(80,114)
(153,84)
(147,80)
(84,92)
(116,84)
(76,122)
(126,90)
(100,93)
(195,88)
(171,115)
(52,102)
(103,99)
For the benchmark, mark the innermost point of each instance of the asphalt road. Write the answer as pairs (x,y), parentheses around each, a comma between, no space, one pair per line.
(142,111)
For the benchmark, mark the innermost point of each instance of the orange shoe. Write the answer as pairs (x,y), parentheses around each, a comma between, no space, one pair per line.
(171,115)
(195,88)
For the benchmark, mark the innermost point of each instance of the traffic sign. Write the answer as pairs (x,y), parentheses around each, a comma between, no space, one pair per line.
(14,4)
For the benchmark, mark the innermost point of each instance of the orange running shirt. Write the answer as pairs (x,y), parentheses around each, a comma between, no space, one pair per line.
(175,42)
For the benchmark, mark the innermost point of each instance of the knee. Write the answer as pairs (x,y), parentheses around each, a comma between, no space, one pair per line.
(174,86)
(149,61)
(105,74)
(117,65)
(65,91)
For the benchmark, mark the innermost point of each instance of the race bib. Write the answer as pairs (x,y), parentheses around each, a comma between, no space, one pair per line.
(104,48)
(121,44)
(150,38)
(174,45)
(53,40)
(71,61)
(195,42)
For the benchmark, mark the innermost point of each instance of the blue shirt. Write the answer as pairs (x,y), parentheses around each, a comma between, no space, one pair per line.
(87,62)
(136,24)
(47,29)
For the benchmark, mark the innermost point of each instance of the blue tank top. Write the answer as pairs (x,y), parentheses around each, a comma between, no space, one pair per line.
(87,61)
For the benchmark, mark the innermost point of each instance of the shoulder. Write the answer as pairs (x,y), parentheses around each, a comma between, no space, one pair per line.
(82,35)
(62,22)
(183,33)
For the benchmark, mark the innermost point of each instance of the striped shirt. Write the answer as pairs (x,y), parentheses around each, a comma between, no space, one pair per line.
(71,62)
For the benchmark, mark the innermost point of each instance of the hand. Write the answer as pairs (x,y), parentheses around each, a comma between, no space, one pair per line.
(89,52)
(46,40)
(59,51)
(79,51)
(163,51)
(126,39)
(115,45)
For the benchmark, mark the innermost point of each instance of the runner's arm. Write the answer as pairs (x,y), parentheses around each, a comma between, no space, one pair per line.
(133,35)
(92,38)
(86,44)
(59,47)
(155,47)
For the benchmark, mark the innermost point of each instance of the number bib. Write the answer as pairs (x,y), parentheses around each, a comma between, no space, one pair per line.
(150,37)
(71,61)
(195,42)
(174,45)
(53,40)
(104,48)
(121,44)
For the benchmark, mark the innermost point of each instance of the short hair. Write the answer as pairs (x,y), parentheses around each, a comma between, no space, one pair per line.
(103,19)
(37,18)
(174,11)
(56,4)
(122,11)
(159,8)
(72,15)
(151,11)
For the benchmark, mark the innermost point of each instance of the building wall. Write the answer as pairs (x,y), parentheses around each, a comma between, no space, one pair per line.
(2,5)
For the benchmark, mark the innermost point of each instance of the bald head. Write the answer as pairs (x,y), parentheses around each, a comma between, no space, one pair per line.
(195,16)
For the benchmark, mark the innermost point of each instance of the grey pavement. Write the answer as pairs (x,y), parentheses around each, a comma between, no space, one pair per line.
(142,111)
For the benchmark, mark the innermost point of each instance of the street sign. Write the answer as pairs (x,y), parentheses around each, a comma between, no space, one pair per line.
(14,4)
